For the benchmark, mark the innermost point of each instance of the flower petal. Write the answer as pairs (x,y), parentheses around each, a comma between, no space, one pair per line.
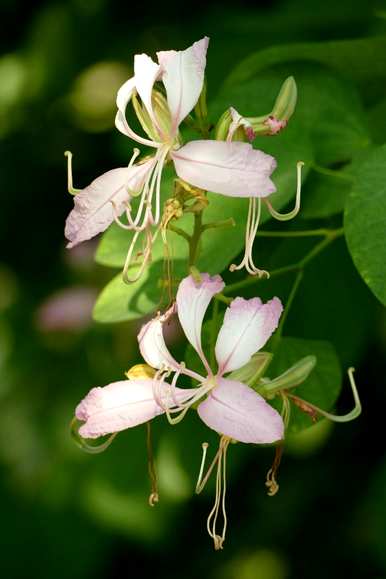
(146,72)
(123,97)
(122,405)
(234,169)
(237,411)
(93,210)
(183,77)
(152,345)
(192,302)
(246,328)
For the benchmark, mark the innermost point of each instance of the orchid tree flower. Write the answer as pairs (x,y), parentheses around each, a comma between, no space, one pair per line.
(227,406)
(228,168)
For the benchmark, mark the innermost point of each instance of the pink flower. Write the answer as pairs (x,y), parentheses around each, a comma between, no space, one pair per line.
(231,408)
(228,406)
(228,168)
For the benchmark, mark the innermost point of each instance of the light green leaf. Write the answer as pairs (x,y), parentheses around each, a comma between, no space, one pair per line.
(365,222)
(323,385)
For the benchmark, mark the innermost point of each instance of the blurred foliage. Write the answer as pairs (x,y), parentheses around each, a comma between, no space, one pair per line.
(87,516)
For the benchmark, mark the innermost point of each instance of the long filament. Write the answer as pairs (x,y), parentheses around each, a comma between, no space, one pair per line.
(295,210)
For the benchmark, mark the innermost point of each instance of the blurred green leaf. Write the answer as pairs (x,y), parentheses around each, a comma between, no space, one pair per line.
(323,385)
(362,60)
(324,195)
(365,222)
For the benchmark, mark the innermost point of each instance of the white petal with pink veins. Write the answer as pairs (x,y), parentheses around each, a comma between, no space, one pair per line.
(192,302)
(183,77)
(93,206)
(234,169)
(146,72)
(153,348)
(235,410)
(247,326)
(122,405)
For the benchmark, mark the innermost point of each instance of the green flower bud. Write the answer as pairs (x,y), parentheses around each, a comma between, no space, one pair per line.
(292,377)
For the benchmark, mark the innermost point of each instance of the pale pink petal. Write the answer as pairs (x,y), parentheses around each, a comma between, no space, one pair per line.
(153,348)
(93,206)
(124,95)
(123,98)
(146,72)
(234,169)
(122,405)
(183,76)
(192,302)
(237,411)
(247,326)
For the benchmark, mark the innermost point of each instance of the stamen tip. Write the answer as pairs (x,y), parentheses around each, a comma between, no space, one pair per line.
(153,499)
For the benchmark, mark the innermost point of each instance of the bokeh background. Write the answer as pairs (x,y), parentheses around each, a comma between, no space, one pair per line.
(67,514)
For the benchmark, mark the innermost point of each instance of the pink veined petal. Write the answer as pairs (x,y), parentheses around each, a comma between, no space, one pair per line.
(192,302)
(234,169)
(122,405)
(237,411)
(183,77)
(146,72)
(153,348)
(247,326)
(93,210)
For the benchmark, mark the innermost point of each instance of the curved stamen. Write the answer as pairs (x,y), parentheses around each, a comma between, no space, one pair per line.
(71,189)
(123,126)
(252,225)
(295,210)
(150,239)
(81,442)
(355,412)
(211,523)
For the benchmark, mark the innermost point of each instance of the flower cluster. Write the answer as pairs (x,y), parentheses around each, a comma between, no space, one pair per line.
(231,394)
(229,167)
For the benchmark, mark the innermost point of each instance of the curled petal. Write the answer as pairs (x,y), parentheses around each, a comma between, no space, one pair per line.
(153,348)
(122,405)
(229,168)
(95,206)
(146,72)
(183,76)
(192,302)
(247,326)
(235,410)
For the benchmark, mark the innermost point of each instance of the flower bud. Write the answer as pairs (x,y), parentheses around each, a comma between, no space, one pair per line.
(292,377)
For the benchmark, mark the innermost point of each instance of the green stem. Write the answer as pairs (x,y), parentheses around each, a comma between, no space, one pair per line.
(305,233)
(213,333)
(195,239)
(291,297)
(332,173)
(219,224)
(179,231)
(300,265)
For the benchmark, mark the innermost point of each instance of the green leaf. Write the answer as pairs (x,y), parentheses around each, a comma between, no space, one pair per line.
(325,195)
(120,302)
(323,385)
(361,60)
(365,222)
